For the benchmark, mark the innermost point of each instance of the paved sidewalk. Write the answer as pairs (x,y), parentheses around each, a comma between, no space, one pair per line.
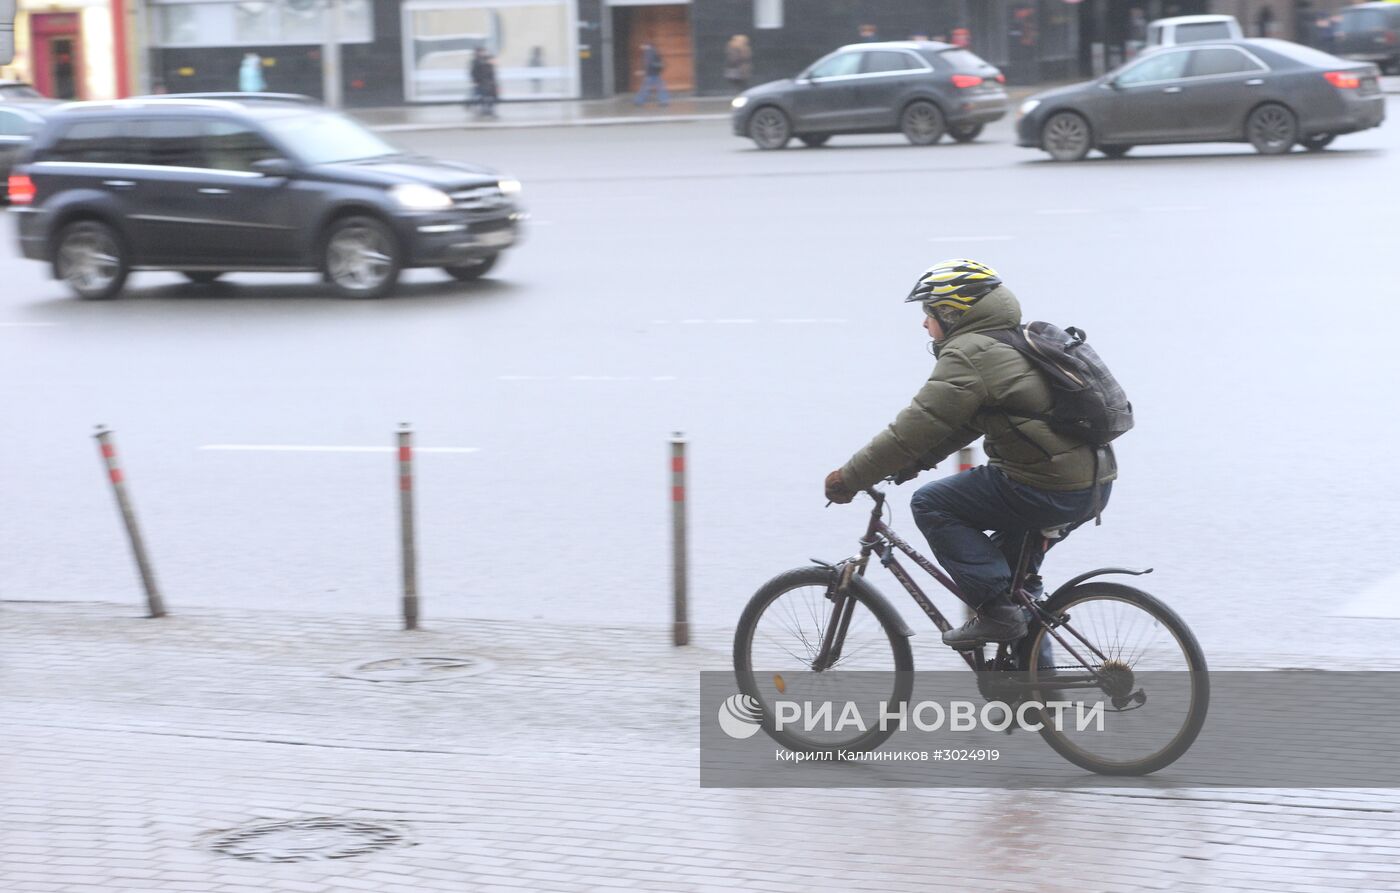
(567,113)
(568,764)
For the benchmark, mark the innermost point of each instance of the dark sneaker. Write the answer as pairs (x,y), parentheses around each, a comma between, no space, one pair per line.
(998,621)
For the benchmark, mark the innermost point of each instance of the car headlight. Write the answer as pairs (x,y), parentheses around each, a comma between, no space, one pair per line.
(509,187)
(420,197)
(1028,106)
(739,102)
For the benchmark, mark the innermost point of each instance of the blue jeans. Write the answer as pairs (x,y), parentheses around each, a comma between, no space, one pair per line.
(955,512)
(653,83)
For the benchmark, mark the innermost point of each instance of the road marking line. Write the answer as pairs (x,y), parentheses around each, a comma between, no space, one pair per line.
(1065,211)
(735,321)
(972,238)
(309,448)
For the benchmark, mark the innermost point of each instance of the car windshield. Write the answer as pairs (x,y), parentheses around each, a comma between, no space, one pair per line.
(962,60)
(325,138)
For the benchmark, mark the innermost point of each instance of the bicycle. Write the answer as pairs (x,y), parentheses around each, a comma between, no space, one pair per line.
(1122,642)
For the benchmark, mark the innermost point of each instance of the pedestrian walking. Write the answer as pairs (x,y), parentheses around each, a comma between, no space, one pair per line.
(652,66)
(250,74)
(483,84)
(738,63)
(536,63)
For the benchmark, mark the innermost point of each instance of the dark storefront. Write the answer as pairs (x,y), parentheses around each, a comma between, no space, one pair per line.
(1112,31)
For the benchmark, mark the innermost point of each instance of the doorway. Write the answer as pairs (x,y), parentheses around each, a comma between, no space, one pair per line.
(668,28)
(57,53)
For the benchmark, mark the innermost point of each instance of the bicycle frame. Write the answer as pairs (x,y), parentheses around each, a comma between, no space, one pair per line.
(880,537)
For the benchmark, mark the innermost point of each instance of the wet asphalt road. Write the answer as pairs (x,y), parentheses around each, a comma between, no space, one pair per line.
(676,279)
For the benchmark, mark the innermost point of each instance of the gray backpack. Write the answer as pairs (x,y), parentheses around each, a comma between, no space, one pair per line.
(1089,403)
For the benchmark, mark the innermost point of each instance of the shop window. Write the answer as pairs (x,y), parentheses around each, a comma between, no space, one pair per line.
(256,23)
(768,13)
(532,43)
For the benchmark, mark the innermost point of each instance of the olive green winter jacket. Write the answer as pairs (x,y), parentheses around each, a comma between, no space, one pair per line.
(978,387)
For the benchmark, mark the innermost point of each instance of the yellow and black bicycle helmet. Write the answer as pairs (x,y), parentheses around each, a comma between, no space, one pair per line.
(954,284)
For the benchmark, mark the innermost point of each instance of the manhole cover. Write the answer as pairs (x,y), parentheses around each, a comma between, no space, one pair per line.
(306,840)
(416,669)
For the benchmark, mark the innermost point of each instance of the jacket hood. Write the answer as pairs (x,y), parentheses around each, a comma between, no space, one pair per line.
(998,309)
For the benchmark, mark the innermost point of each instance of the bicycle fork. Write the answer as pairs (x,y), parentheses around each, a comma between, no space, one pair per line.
(843,606)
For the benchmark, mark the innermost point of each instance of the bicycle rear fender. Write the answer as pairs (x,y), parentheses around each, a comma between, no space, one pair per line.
(1099,572)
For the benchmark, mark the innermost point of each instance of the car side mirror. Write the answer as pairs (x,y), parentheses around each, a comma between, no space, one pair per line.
(274,167)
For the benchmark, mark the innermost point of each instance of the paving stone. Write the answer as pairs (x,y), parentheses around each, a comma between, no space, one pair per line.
(127,743)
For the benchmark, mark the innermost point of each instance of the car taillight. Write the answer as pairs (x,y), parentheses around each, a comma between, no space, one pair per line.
(1390,37)
(21,190)
(963,81)
(1342,80)
(1001,78)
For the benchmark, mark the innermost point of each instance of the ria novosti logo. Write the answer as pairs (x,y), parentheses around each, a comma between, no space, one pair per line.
(740,716)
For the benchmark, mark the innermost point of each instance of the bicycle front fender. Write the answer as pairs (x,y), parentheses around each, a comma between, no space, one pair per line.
(1099,572)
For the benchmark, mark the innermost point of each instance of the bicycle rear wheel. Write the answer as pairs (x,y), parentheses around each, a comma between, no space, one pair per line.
(1146,674)
(780,635)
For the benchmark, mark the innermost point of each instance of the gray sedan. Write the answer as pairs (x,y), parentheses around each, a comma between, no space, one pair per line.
(922,89)
(1270,93)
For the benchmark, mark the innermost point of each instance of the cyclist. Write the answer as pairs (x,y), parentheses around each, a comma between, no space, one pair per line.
(1034,478)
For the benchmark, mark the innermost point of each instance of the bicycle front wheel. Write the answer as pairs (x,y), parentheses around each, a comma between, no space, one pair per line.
(1137,678)
(779,638)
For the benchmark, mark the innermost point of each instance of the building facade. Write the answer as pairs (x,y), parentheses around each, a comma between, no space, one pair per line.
(417,51)
(73,49)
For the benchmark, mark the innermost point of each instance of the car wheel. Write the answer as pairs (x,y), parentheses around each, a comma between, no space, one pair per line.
(1066,137)
(89,257)
(472,269)
(1115,151)
(362,258)
(815,140)
(965,133)
(201,277)
(769,128)
(921,123)
(1316,142)
(1272,129)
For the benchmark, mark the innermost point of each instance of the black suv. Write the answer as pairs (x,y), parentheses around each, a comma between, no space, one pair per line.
(214,183)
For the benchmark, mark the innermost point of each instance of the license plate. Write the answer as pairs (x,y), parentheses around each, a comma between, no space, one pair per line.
(494,239)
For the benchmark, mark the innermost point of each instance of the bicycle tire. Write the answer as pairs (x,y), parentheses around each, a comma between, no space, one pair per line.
(1195,658)
(867,596)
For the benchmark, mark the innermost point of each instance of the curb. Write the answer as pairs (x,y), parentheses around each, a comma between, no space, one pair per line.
(519,125)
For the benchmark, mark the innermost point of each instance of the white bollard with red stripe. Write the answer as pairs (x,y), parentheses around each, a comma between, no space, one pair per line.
(154,604)
(680,627)
(966,458)
(406,532)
